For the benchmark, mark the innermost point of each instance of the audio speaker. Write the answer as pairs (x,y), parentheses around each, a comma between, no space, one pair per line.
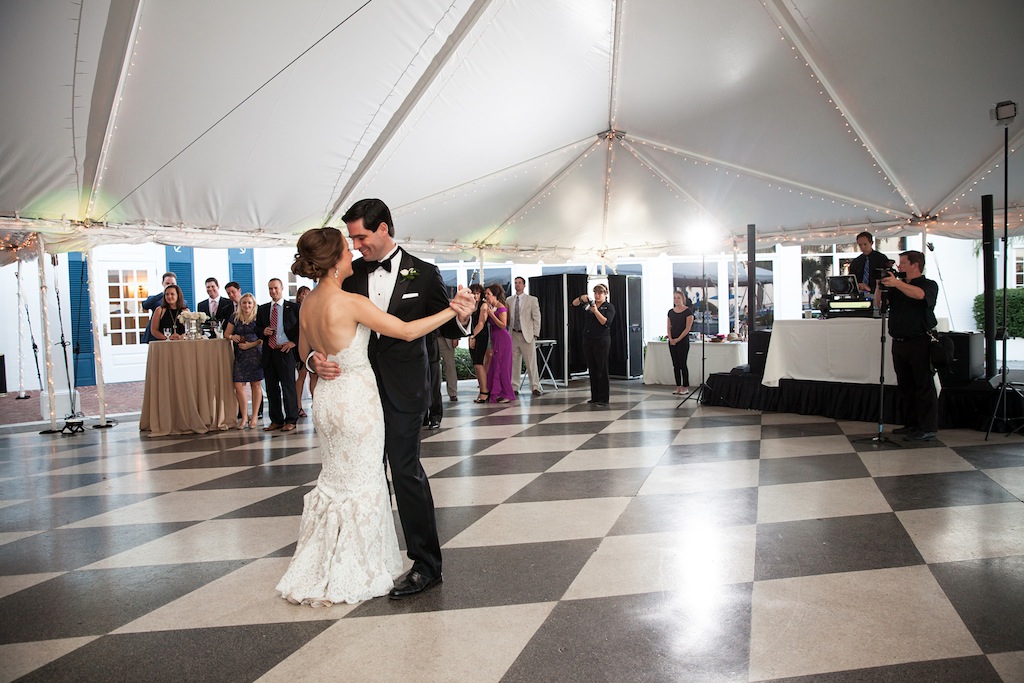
(968,359)
(757,350)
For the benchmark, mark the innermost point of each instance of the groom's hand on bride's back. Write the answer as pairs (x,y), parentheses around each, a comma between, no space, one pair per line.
(324,368)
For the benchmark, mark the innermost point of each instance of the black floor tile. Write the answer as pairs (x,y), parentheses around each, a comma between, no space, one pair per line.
(811,468)
(100,600)
(42,485)
(452,521)
(496,575)
(506,463)
(651,637)
(712,421)
(582,484)
(226,654)
(988,595)
(48,513)
(670,512)
(993,455)
(565,428)
(285,504)
(944,489)
(711,452)
(60,550)
(264,475)
(835,544)
(968,669)
(238,458)
(793,430)
(435,449)
(661,437)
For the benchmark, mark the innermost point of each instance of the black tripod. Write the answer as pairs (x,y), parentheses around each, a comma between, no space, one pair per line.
(1002,332)
(698,394)
(881,439)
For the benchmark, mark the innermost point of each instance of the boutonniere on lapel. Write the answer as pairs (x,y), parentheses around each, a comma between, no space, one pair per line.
(407,274)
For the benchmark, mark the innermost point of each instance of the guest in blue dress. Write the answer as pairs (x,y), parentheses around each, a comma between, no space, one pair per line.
(248,366)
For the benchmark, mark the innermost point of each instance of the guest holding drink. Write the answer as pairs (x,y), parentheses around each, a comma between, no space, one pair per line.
(478,344)
(499,376)
(166,323)
(248,368)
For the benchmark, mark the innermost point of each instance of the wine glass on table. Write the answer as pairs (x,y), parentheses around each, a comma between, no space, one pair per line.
(167,333)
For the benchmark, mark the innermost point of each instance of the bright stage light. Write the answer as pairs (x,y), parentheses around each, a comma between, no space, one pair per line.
(702,236)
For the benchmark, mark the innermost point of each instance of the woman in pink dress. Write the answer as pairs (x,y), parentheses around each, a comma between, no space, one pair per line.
(499,375)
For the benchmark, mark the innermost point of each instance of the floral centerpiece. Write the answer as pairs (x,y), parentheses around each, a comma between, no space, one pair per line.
(193,319)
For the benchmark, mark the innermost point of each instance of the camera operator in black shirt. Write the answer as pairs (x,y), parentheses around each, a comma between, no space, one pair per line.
(597,341)
(911,316)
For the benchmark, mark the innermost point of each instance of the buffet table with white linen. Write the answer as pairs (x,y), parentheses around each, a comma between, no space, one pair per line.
(721,357)
(835,350)
(188,387)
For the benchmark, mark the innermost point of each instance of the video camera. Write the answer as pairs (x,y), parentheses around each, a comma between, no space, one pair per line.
(886,272)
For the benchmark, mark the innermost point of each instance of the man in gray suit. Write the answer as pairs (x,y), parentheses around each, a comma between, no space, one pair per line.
(524,322)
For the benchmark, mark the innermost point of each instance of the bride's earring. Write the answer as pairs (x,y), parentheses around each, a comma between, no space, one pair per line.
(335,273)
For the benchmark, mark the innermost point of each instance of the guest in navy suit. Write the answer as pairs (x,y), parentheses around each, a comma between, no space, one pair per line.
(279,355)
(219,308)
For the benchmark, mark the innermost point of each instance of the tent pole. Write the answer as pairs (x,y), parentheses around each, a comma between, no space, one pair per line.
(47,344)
(101,386)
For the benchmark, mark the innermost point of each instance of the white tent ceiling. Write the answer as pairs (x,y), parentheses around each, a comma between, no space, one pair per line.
(553,129)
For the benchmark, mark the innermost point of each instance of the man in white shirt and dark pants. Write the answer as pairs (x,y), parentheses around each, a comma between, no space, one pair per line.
(524,322)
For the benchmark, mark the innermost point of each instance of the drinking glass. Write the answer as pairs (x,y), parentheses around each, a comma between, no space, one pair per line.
(167,332)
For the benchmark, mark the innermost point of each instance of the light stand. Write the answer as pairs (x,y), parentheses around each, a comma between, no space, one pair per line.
(698,394)
(880,438)
(73,422)
(1004,113)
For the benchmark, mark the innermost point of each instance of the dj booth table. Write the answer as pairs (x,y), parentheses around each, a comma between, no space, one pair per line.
(835,350)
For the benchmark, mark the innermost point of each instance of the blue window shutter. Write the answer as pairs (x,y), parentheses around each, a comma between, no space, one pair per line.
(179,262)
(82,348)
(240,268)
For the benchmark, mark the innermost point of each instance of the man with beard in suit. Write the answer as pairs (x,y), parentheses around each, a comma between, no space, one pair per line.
(409,288)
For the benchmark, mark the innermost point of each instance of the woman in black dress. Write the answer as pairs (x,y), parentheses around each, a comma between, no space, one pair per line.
(248,368)
(165,317)
(680,320)
(478,350)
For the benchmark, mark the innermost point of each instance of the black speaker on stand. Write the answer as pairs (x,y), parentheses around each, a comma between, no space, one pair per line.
(757,350)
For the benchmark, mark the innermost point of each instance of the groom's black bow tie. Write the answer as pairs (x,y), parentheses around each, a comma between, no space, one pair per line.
(374,265)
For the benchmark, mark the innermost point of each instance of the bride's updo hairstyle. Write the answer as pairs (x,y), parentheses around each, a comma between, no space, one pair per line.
(320,250)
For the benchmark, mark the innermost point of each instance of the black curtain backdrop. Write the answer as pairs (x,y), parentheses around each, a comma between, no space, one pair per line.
(560,321)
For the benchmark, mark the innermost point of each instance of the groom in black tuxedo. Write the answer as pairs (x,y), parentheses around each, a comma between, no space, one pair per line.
(408,288)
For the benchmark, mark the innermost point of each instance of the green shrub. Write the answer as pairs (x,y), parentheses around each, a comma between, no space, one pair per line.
(463,362)
(1014,311)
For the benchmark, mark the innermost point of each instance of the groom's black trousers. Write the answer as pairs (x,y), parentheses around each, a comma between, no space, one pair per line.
(412,490)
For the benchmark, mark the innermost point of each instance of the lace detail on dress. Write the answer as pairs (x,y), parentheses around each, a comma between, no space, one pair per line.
(347,549)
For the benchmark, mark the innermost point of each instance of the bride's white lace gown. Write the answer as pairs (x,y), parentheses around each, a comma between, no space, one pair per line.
(348,548)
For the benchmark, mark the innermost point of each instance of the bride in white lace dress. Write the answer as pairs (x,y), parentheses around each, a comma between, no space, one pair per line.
(347,549)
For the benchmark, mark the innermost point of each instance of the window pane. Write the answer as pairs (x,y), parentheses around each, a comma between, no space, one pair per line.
(113,292)
(115,339)
(115,323)
(112,276)
(131,338)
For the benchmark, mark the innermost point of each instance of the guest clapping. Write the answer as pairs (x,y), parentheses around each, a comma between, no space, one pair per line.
(248,368)
(499,376)
(166,316)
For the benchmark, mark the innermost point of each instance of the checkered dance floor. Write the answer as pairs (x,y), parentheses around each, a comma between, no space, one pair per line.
(635,542)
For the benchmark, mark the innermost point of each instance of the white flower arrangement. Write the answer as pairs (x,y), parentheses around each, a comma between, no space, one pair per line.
(198,316)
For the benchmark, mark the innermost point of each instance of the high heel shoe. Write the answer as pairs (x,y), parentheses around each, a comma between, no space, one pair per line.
(253,423)
(482,398)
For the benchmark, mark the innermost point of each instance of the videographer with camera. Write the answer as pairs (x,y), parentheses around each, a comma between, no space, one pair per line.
(597,341)
(911,297)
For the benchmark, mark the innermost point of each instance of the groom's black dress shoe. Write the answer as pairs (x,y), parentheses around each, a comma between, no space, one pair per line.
(413,583)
